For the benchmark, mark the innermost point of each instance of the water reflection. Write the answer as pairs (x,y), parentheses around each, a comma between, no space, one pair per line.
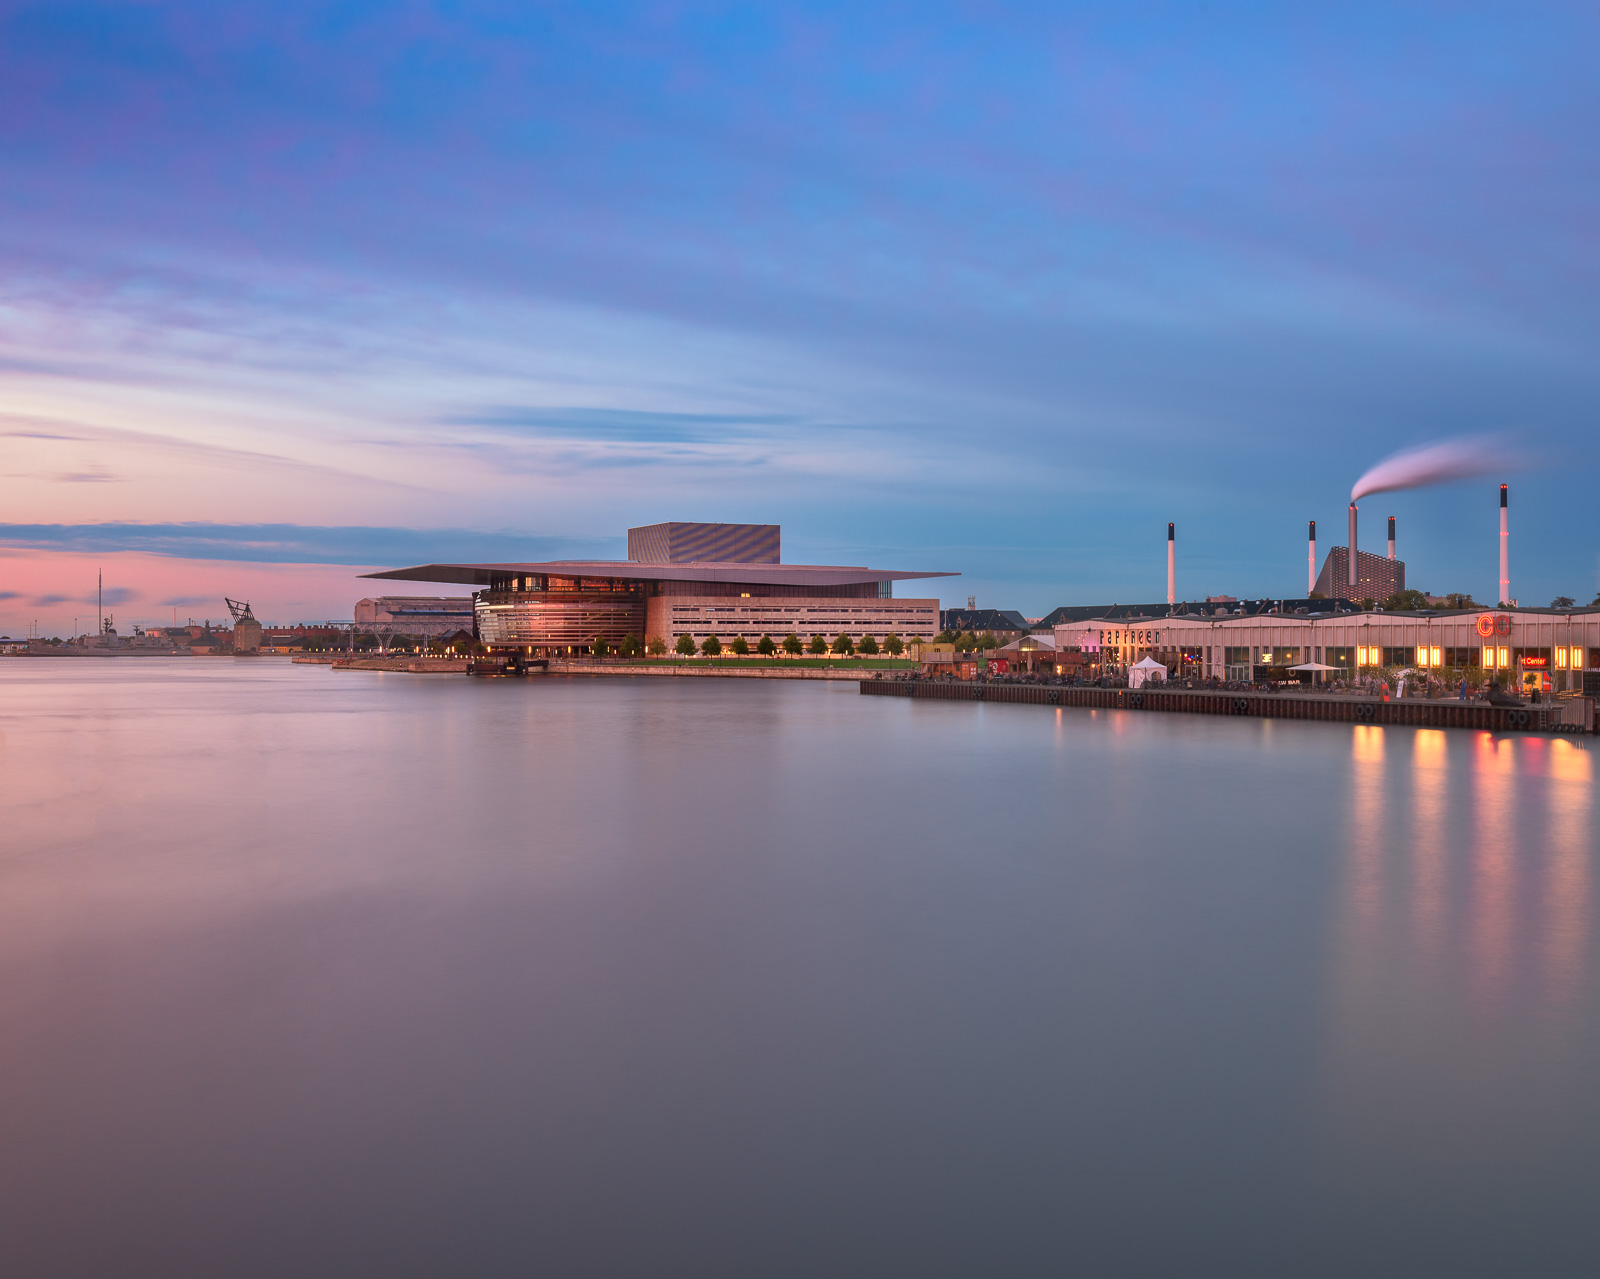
(1494,862)
(1567,868)
(1463,933)
(1430,785)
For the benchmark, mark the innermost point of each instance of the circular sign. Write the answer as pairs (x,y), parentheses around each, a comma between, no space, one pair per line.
(1502,625)
(1485,625)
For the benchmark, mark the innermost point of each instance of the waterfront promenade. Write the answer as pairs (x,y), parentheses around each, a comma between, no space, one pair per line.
(1575,715)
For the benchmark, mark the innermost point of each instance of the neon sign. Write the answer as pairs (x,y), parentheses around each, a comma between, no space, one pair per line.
(1536,662)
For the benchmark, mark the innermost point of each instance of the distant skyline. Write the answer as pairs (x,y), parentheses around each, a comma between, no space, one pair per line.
(1000,289)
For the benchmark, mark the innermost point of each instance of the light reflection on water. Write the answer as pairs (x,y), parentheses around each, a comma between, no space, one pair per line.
(313,971)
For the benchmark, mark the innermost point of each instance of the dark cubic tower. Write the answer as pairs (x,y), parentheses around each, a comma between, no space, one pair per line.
(688,543)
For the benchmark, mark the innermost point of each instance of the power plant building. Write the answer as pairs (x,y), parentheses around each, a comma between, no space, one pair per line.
(662,592)
(1377,578)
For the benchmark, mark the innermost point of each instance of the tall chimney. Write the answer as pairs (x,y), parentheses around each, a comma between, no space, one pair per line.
(1352,550)
(1172,564)
(1311,561)
(1391,537)
(1505,551)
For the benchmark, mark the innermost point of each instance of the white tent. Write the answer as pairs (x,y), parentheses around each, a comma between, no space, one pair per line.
(1145,670)
(1313,667)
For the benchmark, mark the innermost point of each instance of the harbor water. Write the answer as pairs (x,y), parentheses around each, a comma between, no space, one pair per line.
(327,972)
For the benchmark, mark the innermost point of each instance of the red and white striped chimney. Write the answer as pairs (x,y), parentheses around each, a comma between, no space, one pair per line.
(1311,561)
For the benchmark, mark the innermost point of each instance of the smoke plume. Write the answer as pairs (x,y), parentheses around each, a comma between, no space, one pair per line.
(1434,464)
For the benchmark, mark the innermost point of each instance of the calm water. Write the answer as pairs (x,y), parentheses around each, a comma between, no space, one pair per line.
(323,972)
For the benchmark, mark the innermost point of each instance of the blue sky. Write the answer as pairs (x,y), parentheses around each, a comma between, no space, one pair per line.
(993,288)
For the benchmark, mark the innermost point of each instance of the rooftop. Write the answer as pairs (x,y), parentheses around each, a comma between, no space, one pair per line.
(633,571)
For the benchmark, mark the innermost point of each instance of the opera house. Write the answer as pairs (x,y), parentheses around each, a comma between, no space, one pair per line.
(681,579)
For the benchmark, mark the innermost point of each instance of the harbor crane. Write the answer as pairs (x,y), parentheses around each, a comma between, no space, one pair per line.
(241,611)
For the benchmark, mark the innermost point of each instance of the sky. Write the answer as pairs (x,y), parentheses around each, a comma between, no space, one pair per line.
(293,291)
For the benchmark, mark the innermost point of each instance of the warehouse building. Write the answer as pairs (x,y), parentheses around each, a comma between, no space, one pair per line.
(1548,648)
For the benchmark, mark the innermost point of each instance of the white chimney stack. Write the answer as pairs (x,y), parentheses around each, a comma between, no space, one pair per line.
(1391,537)
(1172,565)
(1311,561)
(1505,552)
(1352,582)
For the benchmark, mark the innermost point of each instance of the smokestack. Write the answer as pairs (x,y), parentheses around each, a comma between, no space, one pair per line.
(1505,551)
(1352,550)
(100,576)
(1391,537)
(1172,564)
(1311,561)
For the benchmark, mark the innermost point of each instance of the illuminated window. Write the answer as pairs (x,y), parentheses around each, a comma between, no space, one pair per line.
(1488,658)
(1505,657)
(1438,657)
(1577,659)
(1561,659)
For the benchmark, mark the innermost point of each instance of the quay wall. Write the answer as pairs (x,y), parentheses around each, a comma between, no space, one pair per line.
(559,667)
(1570,715)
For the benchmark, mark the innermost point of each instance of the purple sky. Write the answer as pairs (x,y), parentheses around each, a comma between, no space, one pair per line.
(992,288)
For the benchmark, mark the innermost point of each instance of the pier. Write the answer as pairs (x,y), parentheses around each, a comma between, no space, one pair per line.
(1571,715)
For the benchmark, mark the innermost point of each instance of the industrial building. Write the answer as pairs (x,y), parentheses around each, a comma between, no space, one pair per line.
(663,592)
(422,616)
(1377,578)
(1548,648)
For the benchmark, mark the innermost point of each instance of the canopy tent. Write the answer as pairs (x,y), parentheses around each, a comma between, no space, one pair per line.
(1314,667)
(1145,670)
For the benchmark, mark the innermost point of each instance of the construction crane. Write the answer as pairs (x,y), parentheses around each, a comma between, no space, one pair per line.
(241,612)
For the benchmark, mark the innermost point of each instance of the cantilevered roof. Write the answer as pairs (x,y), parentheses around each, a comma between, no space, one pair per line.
(633,571)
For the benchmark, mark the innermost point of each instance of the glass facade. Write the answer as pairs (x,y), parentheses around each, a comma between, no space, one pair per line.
(559,618)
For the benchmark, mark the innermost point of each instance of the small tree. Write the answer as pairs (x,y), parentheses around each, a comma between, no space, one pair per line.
(657,646)
(869,646)
(685,645)
(1406,601)
(966,643)
(630,646)
(1563,601)
(739,647)
(844,644)
(792,645)
(947,636)
(711,646)
(599,648)
(987,641)
(765,646)
(818,645)
(893,644)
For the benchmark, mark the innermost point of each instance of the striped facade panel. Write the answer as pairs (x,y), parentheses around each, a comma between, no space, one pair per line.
(688,543)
